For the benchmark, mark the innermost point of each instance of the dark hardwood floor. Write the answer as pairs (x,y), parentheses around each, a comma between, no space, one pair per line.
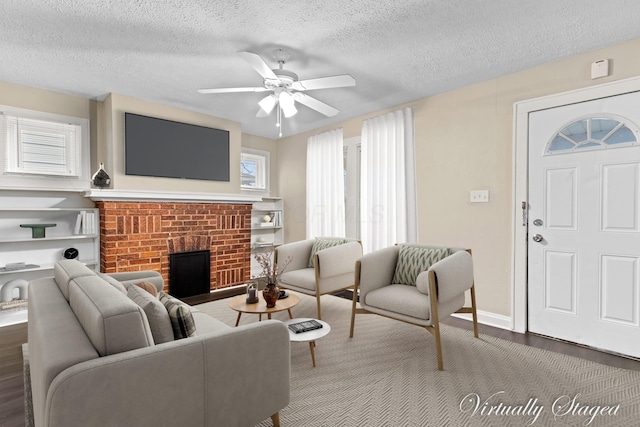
(12,337)
(11,385)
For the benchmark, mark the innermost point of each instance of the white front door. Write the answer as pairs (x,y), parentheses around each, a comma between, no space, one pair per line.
(584,223)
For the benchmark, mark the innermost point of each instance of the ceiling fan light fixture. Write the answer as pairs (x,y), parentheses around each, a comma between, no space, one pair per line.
(267,103)
(288,104)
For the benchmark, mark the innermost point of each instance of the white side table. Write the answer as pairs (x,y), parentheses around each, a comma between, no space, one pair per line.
(309,336)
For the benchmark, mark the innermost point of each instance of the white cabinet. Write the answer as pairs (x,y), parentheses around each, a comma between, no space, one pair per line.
(267,230)
(74,228)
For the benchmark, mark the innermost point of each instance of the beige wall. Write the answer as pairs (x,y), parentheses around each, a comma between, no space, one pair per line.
(43,100)
(464,142)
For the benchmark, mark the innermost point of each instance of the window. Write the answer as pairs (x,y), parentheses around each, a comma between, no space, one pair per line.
(589,133)
(254,169)
(41,147)
(41,144)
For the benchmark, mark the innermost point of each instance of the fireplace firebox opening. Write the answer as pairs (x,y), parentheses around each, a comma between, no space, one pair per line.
(189,273)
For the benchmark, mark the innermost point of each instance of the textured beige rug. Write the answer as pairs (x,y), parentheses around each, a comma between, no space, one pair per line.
(387,376)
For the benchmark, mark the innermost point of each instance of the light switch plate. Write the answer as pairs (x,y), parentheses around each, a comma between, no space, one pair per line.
(479,196)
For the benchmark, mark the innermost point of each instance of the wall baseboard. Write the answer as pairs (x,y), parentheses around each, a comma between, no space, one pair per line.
(489,319)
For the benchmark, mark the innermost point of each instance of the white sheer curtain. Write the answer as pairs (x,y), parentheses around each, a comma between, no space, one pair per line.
(325,185)
(388,183)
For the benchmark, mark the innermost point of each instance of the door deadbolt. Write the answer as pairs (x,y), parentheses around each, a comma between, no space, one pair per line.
(537,222)
(538,238)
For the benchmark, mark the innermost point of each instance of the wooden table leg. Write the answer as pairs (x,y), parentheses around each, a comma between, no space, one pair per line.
(238,319)
(312,344)
(268,315)
(260,318)
(290,315)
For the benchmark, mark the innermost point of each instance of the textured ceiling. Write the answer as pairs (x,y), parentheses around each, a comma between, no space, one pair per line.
(398,51)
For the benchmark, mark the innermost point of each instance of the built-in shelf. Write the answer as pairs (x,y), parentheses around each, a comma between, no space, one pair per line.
(265,238)
(74,228)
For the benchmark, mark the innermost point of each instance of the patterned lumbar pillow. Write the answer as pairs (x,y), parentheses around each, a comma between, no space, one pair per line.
(321,243)
(414,260)
(180,315)
(157,316)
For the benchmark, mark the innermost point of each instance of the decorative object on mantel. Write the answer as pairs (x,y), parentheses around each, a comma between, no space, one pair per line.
(101,179)
(271,274)
(37,230)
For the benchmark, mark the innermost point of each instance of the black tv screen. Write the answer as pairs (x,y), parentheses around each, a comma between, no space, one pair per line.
(164,148)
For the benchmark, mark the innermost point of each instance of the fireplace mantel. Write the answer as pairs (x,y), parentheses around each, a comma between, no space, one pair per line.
(163,196)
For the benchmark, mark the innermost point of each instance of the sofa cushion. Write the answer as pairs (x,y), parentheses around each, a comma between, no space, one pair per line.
(113,282)
(321,243)
(147,286)
(112,321)
(66,270)
(157,315)
(206,324)
(180,315)
(413,260)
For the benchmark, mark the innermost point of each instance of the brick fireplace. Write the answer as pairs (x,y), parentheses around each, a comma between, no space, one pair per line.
(138,236)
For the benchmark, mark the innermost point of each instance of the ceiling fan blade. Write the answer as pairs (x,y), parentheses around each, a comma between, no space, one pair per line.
(233,89)
(259,65)
(342,80)
(314,104)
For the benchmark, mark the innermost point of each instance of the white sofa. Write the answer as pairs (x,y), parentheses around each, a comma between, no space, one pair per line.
(93,361)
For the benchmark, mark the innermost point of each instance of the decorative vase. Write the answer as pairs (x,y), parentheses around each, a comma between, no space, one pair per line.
(101,179)
(271,293)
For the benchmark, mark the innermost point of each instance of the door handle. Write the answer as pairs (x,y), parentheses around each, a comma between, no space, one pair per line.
(538,238)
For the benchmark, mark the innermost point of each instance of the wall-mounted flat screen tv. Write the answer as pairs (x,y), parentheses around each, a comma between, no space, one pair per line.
(164,148)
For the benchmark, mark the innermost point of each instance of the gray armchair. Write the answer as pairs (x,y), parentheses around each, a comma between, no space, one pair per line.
(417,284)
(318,266)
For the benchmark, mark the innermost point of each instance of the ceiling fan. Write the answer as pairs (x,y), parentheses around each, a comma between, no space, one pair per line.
(285,87)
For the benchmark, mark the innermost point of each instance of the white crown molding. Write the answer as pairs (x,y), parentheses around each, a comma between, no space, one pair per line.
(157,196)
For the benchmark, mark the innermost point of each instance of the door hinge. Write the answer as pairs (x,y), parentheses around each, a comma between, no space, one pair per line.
(524,214)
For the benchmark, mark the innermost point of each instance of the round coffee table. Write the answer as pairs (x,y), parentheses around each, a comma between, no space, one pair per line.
(239,304)
(309,336)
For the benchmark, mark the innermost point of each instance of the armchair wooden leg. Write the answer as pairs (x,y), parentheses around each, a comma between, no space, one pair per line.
(276,419)
(473,310)
(436,335)
(353,311)
(356,284)
(318,302)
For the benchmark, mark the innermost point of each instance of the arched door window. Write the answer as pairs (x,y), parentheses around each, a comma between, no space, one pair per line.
(593,133)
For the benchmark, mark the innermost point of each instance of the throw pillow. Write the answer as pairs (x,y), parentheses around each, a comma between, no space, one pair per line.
(323,243)
(157,316)
(414,260)
(180,315)
(149,287)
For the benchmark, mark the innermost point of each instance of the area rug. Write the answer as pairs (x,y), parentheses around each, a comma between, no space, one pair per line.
(386,375)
